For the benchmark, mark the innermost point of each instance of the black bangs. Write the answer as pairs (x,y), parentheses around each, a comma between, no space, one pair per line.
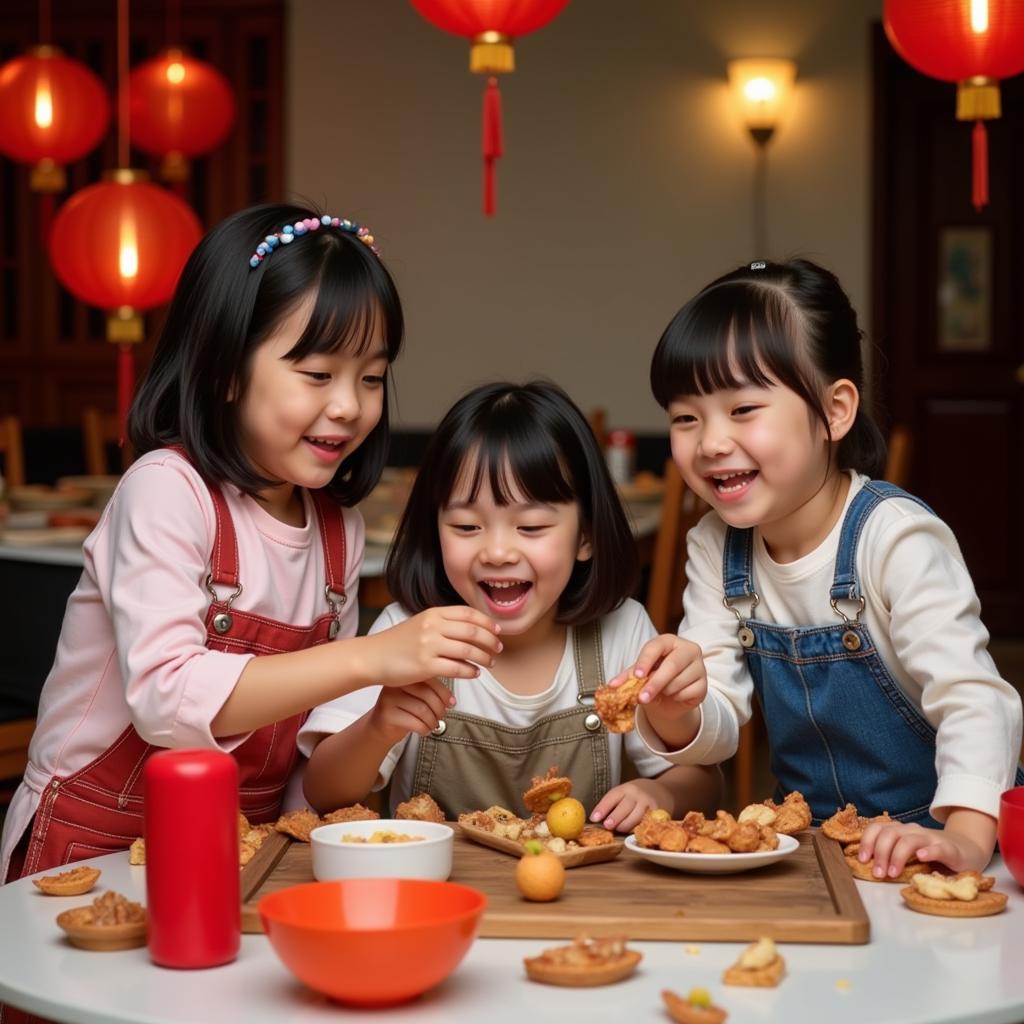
(728,336)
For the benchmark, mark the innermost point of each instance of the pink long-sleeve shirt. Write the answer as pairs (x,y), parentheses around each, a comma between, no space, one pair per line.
(132,648)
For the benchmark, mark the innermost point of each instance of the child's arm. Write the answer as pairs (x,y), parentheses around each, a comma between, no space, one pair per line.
(344,766)
(437,642)
(678,789)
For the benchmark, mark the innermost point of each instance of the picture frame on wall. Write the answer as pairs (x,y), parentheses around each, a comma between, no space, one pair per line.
(965,289)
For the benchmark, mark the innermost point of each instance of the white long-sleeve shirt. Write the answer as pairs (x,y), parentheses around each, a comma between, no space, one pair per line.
(923,615)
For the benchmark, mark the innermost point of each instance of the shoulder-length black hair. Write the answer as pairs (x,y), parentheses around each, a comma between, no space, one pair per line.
(529,439)
(221,312)
(789,322)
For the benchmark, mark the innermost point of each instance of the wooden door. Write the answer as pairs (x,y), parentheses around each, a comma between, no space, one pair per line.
(948,317)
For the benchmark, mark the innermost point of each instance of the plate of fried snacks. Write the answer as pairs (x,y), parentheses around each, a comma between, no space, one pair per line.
(110,922)
(504,830)
(760,835)
(586,963)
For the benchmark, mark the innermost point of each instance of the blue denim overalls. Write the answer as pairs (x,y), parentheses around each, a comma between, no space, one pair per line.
(839,727)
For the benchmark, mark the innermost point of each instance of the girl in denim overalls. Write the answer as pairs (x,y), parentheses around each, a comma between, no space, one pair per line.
(514,514)
(841,601)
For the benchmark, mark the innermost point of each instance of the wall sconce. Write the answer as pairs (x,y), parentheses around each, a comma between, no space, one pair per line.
(761,89)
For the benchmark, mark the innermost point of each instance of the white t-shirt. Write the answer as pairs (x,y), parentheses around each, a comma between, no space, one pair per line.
(623,632)
(923,615)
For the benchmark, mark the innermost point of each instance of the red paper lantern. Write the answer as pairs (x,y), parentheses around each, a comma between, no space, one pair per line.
(180,107)
(971,42)
(120,245)
(491,26)
(53,110)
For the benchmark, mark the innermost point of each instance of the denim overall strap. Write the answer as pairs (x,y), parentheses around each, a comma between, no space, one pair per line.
(738,563)
(867,499)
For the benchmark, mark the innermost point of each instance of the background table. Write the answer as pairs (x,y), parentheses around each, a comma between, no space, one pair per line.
(916,968)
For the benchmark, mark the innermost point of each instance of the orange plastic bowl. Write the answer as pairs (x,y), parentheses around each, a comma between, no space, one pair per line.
(1011,832)
(372,941)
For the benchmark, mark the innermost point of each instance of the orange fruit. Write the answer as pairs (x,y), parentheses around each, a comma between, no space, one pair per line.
(540,875)
(566,818)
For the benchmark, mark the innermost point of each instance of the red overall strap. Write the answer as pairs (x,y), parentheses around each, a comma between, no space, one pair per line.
(332,533)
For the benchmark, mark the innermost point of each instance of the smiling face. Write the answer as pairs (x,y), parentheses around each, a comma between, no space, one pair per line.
(301,418)
(511,561)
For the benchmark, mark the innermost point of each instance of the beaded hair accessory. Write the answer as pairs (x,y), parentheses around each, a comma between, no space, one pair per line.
(290,232)
(757,265)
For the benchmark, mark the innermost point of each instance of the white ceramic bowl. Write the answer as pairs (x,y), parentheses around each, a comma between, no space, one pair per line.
(430,857)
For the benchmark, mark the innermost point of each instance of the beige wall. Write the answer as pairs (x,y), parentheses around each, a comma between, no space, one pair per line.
(626,186)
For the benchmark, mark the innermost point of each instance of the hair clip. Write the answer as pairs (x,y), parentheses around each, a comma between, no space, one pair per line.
(290,232)
(758,265)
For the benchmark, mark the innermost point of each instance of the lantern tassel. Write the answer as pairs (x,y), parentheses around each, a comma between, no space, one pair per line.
(492,141)
(125,387)
(45,216)
(979,190)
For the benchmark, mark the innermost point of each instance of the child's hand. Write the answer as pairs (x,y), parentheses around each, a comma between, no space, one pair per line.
(622,807)
(437,642)
(892,845)
(674,668)
(401,710)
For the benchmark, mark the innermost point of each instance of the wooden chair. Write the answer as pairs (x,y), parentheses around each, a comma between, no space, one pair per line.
(14,740)
(98,430)
(681,509)
(897,463)
(12,450)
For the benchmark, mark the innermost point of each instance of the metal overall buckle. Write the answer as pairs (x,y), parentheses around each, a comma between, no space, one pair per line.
(744,634)
(851,638)
(335,602)
(222,620)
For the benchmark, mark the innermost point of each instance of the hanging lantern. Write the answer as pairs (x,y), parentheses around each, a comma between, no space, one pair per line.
(53,110)
(491,26)
(180,107)
(121,245)
(974,43)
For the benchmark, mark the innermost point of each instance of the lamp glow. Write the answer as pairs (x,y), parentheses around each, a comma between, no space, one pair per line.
(761,89)
(979,16)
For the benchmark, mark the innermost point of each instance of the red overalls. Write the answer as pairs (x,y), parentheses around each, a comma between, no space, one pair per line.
(98,810)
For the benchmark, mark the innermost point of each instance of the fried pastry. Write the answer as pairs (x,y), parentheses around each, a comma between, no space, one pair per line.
(356,812)
(75,882)
(720,829)
(421,807)
(298,824)
(847,826)
(697,1008)
(546,790)
(965,894)
(759,966)
(594,836)
(137,851)
(745,838)
(617,706)
(863,870)
(651,827)
(587,962)
(110,922)
(792,815)
(705,844)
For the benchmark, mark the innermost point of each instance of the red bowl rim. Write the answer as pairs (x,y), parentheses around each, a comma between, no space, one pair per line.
(1013,797)
(454,917)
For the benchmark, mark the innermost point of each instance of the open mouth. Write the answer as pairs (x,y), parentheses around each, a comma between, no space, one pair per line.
(732,484)
(325,448)
(506,595)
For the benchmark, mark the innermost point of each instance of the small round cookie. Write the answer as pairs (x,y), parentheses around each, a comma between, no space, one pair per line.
(863,870)
(986,903)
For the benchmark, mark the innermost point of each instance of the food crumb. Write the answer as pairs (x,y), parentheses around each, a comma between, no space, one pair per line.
(842,985)
(693,950)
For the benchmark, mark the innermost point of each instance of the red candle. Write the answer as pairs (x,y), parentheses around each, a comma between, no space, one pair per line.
(192,886)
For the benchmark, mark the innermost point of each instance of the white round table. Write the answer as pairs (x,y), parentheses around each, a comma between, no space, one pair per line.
(916,968)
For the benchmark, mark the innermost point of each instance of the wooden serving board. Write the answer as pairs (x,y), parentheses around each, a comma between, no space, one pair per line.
(570,859)
(809,896)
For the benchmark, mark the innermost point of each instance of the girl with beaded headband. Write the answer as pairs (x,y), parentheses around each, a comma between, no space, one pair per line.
(841,601)
(218,600)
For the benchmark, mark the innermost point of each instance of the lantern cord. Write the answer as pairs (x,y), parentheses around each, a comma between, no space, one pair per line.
(123,106)
(760,204)
(45,216)
(125,388)
(979,176)
(492,144)
(173,22)
(45,24)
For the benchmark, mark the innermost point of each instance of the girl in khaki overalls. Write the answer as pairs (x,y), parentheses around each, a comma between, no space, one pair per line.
(513,513)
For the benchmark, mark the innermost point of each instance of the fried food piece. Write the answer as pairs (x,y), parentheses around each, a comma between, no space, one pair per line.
(693,822)
(587,962)
(847,826)
(965,894)
(676,839)
(357,812)
(745,838)
(75,882)
(617,707)
(769,839)
(794,815)
(243,825)
(863,870)
(721,828)
(109,909)
(421,807)
(760,813)
(759,966)
(650,828)
(546,790)
(298,824)
(477,819)
(688,1011)
(137,851)
(594,836)
(705,844)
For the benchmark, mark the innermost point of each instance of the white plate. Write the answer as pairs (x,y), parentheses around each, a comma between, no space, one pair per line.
(715,863)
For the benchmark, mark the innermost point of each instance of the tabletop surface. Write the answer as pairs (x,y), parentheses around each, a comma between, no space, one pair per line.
(916,968)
